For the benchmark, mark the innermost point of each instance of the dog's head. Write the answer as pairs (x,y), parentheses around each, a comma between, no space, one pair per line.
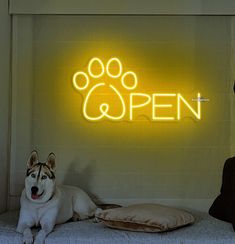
(40,178)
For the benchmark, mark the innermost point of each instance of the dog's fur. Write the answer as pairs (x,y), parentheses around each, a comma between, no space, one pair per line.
(45,204)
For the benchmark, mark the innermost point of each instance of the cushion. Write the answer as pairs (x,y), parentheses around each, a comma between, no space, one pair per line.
(145,218)
(223,207)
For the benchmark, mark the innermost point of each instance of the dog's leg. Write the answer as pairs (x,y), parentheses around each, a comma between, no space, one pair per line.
(47,225)
(27,236)
(26,231)
(42,234)
(92,214)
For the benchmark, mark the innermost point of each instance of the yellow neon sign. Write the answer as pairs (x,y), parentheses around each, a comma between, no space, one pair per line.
(134,83)
(80,73)
(154,106)
(108,67)
(90,66)
(197,114)
(104,107)
(134,105)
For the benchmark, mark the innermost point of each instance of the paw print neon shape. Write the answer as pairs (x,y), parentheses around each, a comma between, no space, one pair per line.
(105,69)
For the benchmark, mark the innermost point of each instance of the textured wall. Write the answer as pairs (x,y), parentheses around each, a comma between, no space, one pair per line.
(4,99)
(173,162)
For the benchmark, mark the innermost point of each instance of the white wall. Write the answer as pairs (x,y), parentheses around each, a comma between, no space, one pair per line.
(124,162)
(4,99)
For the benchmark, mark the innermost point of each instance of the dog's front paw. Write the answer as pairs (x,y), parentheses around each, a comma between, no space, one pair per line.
(40,238)
(28,239)
(27,236)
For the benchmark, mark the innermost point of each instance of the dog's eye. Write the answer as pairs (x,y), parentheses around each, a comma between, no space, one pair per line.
(33,175)
(44,177)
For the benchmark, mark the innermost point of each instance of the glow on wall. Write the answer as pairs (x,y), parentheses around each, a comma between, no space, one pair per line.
(135,100)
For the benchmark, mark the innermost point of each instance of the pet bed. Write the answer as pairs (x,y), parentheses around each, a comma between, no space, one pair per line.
(206,229)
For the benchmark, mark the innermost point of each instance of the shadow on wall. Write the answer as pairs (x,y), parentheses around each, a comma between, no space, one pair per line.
(81,177)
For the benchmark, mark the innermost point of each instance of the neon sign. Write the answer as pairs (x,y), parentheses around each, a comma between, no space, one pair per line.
(82,80)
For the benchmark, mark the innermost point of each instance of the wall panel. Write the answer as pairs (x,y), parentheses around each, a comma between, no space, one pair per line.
(120,161)
(5,44)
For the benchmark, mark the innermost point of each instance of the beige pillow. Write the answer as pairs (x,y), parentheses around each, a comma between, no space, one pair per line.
(145,217)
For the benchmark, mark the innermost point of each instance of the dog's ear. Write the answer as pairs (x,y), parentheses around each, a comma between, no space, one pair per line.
(33,159)
(51,161)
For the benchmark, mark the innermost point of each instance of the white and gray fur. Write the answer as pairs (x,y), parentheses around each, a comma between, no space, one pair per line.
(45,204)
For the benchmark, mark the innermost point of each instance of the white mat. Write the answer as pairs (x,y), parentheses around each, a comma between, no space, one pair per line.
(205,230)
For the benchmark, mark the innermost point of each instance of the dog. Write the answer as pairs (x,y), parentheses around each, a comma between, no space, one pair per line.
(45,204)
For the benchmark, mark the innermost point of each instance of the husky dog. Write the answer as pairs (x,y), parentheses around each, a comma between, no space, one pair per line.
(45,204)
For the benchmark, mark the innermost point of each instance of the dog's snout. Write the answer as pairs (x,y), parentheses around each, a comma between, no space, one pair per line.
(34,189)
